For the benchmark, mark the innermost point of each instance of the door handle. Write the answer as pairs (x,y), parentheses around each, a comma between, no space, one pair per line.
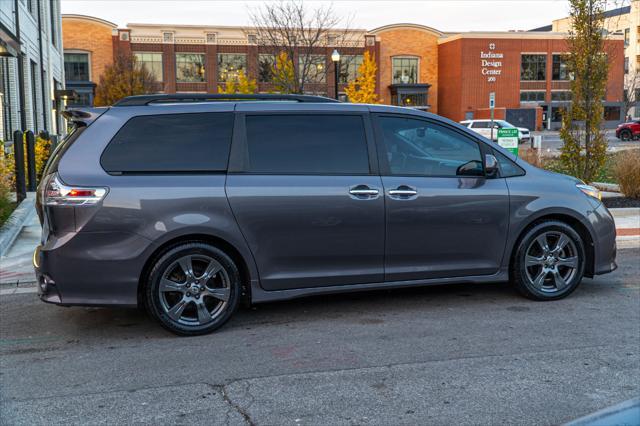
(403,191)
(363,191)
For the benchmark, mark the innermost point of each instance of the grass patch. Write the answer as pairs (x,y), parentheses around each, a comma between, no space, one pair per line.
(6,208)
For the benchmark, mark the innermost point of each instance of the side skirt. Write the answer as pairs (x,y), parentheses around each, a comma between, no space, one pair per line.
(259,295)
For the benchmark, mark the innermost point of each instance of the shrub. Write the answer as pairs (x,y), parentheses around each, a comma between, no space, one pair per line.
(627,173)
(6,177)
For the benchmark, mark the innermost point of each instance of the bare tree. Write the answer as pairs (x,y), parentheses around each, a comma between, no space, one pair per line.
(632,94)
(301,33)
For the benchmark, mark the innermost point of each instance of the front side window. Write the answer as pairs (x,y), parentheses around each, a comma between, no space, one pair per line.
(266,62)
(304,144)
(189,67)
(152,61)
(533,67)
(76,66)
(316,72)
(560,70)
(349,68)
(419,148)
(229,65)
(405,70)
(170,143)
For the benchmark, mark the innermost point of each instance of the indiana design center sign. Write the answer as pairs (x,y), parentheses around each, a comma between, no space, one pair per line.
(508,139)
(491,63)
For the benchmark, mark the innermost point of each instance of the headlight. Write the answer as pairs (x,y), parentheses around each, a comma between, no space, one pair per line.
(589,190)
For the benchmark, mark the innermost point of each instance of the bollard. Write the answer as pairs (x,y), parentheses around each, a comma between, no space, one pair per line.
(18,155)
(31,161)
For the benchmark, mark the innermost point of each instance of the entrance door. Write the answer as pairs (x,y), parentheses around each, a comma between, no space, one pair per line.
(307,199)
(444,218)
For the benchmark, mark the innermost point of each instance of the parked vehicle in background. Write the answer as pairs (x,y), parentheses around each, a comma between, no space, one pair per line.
(483,127)
(629,130)
(188,204)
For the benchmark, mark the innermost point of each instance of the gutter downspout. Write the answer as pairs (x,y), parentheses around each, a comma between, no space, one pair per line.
(43,84)
(21,95)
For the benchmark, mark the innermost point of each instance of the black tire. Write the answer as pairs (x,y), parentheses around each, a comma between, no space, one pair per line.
(163,302)
(565,268)
(625,135)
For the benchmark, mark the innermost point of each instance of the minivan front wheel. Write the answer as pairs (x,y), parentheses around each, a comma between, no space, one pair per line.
(549,262)
(193,289)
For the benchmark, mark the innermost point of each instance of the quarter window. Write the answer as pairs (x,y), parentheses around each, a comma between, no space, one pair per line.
(303,144)
(171,143)
(405,70)
(189,67)
(152,61)
(417,147)
(229,65)
(533,67)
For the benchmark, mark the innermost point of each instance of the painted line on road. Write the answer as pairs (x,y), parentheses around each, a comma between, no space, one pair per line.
(18,290)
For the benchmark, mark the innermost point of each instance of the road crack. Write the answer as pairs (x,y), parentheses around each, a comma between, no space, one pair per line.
(235,406)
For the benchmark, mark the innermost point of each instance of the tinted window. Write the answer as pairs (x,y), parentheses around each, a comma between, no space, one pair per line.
(171,143)
(417,147)
(507,167)
(305,144)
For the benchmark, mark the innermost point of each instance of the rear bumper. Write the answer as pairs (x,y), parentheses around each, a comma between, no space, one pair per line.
(90,269)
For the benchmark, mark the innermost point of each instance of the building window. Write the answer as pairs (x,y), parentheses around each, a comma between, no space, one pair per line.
(189,67)
(533,68)
(561,96)
(229,64)
(82,99)
(532,96)
(266,63)
(559,69)
(152,61)
(316,72)
(627,36)
(76,66)
(53,21)
(612,113)
(626,65)
(349,68)
(404,70)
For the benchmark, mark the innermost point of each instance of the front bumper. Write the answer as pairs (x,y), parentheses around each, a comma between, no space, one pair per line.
(604,241)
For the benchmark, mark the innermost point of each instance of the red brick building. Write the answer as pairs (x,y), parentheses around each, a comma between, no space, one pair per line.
(418,66)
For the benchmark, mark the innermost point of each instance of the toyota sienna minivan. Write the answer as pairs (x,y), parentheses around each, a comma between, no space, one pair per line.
(188,205)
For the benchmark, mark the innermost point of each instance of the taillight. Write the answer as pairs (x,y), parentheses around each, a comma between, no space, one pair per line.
(56,193)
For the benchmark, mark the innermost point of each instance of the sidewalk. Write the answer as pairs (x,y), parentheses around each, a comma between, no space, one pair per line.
(17,267)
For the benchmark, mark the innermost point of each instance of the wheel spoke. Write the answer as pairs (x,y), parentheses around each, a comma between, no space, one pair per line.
(176,311)
(203,313)
(542,241)
(168,285)
(187,266)
(571,262)
(558,280)
(218,293)
(562,242)
(533,261)
(539,280)
(211,270)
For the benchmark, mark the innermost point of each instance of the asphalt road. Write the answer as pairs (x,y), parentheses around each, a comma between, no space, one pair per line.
(551,143)
(464,354)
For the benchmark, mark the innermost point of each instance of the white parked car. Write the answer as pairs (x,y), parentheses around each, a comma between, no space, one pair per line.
(484,128)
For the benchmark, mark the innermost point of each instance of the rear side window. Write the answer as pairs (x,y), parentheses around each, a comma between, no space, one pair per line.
(507,167)
(306,144)
(171,143)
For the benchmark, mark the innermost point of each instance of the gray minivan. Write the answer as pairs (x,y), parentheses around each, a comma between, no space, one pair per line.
(189,204)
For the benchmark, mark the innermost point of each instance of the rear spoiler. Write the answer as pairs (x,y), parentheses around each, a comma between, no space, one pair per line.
(83,116)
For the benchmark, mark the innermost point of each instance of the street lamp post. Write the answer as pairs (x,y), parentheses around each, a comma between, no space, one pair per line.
(335,57)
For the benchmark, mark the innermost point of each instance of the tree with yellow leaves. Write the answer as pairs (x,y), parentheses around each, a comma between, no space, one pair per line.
(242,84)
(362,90)
(284,75)
(125,77)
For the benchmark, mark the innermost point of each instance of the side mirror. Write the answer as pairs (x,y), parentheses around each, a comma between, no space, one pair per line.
(491,168)
(471,168)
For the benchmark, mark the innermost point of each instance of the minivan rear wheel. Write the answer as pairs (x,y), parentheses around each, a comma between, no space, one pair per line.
(549,261)
(193,289)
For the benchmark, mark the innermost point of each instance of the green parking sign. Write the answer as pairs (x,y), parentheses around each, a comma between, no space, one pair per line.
(508,139)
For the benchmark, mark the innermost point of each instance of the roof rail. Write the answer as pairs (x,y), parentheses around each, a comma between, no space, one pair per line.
(206,97)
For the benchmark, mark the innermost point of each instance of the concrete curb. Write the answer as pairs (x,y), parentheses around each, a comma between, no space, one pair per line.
(13,225)
(608,187)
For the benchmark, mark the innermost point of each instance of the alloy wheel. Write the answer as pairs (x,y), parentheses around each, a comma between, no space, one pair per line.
(551,262)
(194,290)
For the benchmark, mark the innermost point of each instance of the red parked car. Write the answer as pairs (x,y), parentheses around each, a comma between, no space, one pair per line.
(629,130)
